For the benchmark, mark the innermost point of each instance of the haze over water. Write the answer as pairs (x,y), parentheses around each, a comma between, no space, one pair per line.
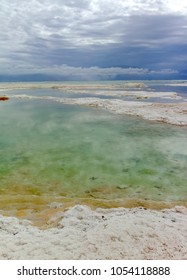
(75,153)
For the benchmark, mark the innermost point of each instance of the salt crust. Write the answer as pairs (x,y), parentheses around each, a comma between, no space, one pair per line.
(82,233)
(172,113)
(177,84)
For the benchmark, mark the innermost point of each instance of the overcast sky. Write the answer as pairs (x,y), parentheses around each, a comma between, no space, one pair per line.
(93,39)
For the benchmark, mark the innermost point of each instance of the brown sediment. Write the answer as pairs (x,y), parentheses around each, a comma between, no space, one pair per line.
(40,210)
(3,98)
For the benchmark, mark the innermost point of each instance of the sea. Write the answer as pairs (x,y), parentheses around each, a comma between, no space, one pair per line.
(52,152)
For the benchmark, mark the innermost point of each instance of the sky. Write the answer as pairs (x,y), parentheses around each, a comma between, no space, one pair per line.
(93,39)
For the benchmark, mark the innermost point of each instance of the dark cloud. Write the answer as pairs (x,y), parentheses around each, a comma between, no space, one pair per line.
(43,37)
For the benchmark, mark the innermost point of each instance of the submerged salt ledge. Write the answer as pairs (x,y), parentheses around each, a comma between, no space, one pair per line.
(172,113)
(101,234)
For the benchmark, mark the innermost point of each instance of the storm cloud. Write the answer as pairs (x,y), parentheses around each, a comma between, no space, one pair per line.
(96,39)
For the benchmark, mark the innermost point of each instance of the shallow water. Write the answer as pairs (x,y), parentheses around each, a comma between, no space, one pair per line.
(71,153)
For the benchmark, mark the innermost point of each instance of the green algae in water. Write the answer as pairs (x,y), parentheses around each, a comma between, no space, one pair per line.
(55,150)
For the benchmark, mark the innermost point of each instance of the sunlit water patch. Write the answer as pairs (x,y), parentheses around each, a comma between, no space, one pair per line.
(54,152)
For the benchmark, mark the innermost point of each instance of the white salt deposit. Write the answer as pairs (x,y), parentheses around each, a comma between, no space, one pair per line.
(172,113)
(101,234)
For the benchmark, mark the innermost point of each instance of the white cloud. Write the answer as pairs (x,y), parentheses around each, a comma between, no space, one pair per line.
(88,73)
(76,21)
(176,6)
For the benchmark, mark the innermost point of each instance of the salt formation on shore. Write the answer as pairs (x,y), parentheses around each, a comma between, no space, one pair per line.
(168,112)
(71,86)
(172,113)
(102,234)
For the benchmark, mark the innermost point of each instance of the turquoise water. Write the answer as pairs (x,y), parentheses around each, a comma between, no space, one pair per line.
(55,150)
